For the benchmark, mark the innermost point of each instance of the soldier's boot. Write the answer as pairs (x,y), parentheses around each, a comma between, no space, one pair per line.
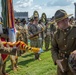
(1,65)
(3,69)
(16,65)
(5,74)
(0,70)
(13,63)
(46,49)
(37,56)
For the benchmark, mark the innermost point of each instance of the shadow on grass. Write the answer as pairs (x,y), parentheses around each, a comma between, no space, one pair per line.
(26,55)
(23,63)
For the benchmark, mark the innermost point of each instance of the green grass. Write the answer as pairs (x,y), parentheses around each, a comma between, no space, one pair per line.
(29,66)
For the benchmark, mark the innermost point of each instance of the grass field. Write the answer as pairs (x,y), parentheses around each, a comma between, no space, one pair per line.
(29,66)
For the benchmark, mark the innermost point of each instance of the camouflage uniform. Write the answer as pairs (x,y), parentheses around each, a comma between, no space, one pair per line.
(18,33)
(41,36)
(24,32)
(43,33)
(34,42)
(63,43)
(47,37)
(52,30)
(4,50)
(14,59)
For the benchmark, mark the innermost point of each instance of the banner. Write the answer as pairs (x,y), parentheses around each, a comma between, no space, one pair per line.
(8,21)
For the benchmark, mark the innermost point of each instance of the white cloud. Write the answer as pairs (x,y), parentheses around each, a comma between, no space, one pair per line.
(59,2)
(36,7)
(24,3)
(50,9)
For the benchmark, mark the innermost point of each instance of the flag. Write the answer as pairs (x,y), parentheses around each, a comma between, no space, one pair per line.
(8,13)
(8,20)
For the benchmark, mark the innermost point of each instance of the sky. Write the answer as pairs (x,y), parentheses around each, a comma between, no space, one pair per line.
(43,6)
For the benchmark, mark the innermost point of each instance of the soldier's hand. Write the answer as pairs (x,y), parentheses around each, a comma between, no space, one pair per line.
(73,54)
(60,65)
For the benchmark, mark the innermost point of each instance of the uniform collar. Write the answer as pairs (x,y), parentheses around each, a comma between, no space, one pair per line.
(67,29)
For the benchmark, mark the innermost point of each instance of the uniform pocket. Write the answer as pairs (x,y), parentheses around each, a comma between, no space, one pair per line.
(71,41)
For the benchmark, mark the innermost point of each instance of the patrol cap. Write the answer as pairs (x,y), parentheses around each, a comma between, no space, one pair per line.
(60,15)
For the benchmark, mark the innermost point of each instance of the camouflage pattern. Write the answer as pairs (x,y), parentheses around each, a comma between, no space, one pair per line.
(5,50)
(41,35)
(35,14)
(34,42)
(25,33)
(52,30)
(14,58)
(21,35)
(44,18)
(47,36)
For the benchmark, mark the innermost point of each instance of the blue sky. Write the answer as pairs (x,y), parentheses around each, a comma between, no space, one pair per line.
(47,6)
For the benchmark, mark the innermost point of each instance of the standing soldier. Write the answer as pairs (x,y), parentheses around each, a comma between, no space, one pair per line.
(18,30)
(47,36)
(32,30)
(52,27)
(14,59)
(44,18)
(3,37)
(41,34)
(24,30)
(63,43)
(4,55)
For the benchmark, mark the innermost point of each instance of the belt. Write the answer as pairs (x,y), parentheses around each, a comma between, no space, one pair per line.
(63,55)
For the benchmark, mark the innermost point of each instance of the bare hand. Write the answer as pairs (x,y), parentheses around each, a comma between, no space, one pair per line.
(60,65)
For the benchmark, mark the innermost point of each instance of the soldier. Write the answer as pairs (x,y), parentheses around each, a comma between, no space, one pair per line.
(44,18)
(52,27)
(4,53)
(30,22)
(63,43)
(3,37)
(24,30)
(18,30)
(14,59)
(41,27)
(47,36)
(32,30)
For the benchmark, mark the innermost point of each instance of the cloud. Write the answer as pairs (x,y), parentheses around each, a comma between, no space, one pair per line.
(36,7)
(24,3)
(59,2)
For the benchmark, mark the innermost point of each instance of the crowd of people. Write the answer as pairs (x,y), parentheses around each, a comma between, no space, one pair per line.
(36,31)
(58,33)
